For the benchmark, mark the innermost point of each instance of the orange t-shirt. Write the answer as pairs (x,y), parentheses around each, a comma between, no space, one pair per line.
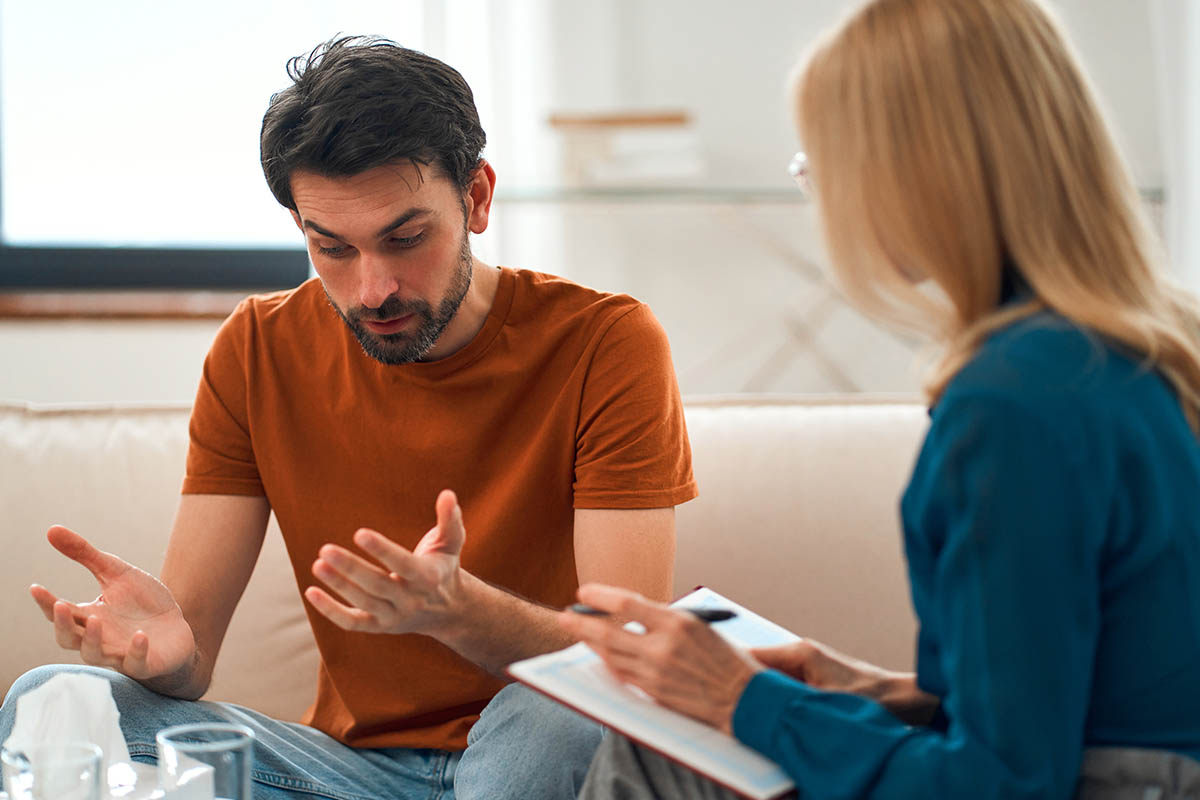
(565,399)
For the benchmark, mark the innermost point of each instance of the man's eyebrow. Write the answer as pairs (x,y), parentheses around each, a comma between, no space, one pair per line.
(308,223)
(406,217)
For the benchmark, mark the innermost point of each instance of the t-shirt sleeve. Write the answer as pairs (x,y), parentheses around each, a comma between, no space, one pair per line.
(220,456)
(632,448)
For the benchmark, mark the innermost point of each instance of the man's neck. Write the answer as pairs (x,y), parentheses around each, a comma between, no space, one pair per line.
(472,313)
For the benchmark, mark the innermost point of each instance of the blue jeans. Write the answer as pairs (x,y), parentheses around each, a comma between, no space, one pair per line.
(523,747)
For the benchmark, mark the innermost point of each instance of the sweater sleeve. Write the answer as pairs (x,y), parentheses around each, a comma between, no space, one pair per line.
(1001,502)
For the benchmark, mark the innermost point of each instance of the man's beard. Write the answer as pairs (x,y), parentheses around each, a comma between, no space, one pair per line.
(406,347)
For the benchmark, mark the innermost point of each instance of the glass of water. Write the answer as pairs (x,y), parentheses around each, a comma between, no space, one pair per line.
(63,771)
(205,760)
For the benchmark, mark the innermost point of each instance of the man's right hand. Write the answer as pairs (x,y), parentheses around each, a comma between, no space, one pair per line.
(134,626)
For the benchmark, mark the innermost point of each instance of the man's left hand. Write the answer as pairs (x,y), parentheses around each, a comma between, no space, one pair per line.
(402,591)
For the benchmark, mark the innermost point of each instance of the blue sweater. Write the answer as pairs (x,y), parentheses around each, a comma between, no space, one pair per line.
(1052,528)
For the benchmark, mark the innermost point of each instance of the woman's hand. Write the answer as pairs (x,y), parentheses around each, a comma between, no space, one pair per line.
(679,661)
(822,667)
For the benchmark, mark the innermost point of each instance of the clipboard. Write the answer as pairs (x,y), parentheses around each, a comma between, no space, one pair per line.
(577,678)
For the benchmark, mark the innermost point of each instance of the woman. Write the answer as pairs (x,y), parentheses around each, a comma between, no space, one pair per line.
(1052,522)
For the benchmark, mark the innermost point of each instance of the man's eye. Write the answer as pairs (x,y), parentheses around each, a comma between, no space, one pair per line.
(333,252)
(408,241)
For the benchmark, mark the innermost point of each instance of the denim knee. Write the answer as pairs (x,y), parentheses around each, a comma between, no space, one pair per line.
(32,680)
(39,675)
(142,711)
(526,746)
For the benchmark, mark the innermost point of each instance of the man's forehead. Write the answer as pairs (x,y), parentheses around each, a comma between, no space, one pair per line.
(383,187)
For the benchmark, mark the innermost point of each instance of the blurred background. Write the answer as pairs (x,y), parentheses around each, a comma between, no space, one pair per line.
(641,146)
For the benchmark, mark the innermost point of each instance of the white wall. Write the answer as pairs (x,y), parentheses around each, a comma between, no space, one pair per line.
(1115,40)
(738,290)
(49,361)
(1177,25)
(727,63)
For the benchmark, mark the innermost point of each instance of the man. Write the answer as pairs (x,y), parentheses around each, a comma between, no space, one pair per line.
(552,410)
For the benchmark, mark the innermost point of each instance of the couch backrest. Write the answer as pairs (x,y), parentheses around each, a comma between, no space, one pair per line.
(798,515)
(113,474)
(796,519)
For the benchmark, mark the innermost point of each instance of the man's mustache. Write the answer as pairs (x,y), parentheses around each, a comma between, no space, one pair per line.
(390,309)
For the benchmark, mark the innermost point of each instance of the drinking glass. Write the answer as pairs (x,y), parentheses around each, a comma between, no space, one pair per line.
(205,760)
(63,771)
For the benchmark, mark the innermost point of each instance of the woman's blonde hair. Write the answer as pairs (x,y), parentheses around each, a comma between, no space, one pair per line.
(954,139)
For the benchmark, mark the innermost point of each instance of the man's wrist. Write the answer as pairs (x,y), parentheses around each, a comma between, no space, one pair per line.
(463,616)
(189,682)
(492,627)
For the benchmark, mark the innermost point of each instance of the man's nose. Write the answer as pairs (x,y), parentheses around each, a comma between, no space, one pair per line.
(377,280)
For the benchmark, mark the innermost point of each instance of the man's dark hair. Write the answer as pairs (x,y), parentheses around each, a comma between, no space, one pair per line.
(360,102)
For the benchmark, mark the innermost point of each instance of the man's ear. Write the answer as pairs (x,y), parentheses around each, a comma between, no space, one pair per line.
(296,217)
(479,197)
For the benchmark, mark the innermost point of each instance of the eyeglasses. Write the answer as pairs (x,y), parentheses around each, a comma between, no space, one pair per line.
(798,169)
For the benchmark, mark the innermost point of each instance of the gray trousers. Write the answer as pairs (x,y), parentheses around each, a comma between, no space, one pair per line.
(623,770)
(1126,773)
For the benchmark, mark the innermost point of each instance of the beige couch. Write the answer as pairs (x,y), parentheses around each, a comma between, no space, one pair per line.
(797,518)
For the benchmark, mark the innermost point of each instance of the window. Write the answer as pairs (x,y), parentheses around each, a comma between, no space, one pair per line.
(129,137)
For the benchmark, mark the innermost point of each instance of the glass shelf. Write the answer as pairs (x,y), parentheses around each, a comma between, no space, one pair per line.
(731,195)
(652,194)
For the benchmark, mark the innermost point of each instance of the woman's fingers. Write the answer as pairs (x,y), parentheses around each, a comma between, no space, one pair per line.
(625,604)
(598,632)
(794,658)
(629,667)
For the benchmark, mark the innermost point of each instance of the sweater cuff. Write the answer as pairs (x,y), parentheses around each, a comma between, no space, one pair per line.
(765,699)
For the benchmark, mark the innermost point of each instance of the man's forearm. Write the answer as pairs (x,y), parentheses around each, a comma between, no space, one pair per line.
(497,627)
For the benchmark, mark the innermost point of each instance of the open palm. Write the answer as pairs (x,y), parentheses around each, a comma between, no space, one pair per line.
(134,626)
(400,591)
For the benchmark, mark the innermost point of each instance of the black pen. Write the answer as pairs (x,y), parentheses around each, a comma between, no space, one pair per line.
(706,614)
